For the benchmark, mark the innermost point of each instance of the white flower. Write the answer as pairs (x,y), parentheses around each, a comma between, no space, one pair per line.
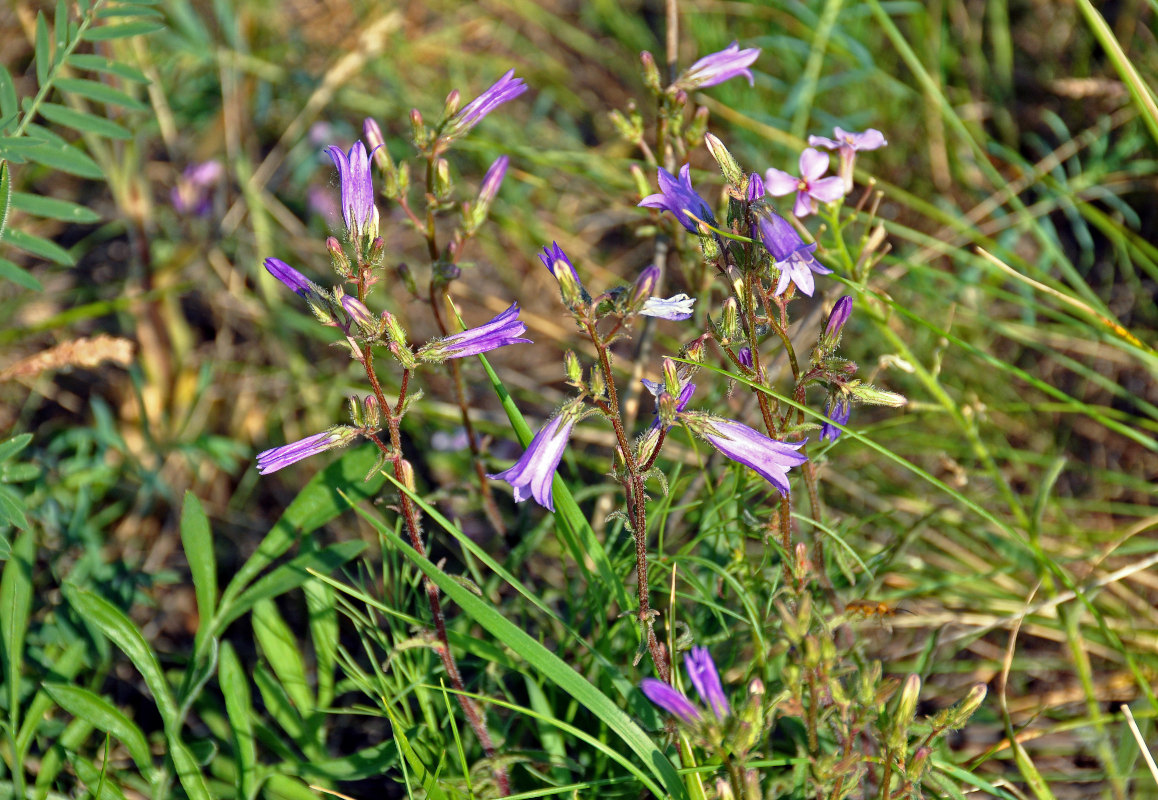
(676,307)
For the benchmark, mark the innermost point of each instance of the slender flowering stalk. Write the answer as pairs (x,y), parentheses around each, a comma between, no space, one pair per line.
(535,470)
(677,196)
(731,62)
(793,257)
(508,87)
(502,330)
(677,307)
(358,208)
(280,457)
(770,458)
(810,187)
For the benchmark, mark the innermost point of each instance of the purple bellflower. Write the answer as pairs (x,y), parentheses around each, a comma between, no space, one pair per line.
(502,330)
(677,195)
(731,62)
(556,261)
(279,457)
(535,470)
(298,283)
(706,681)
(809,187)
(756,188)
(770,458)
(848,143)
(841,311)
(508,87)
(357,189)
(493,180)
(677,307)
(793,257)
(838,409)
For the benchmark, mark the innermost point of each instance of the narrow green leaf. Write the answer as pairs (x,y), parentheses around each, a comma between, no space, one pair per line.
(10,447)
(9,271)
(96,779)
(188,770)
(283,653)
(39,205)
(5,548)
(83,121)
(367,763)
(15,610)
(9,102)
(324,633)
(5,195)
(87,61)
(122,30)
(197,539)
(234,682)
(65,158)
(554,669)
(104,716)
(278,704)
(12,509)
(129,10)
(60,27)
(65,667)
(420,770)
(43,52)
(38,247)
(100,92)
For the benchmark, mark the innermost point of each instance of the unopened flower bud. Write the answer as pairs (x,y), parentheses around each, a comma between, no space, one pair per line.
(356,411)
(755,187)
(573,367)
(906,710)
(967,707)
(744,356)
(699,123)
(371,413)
(650,72)
(394,330)
(671,378)
(694,350)
(724,790)
(407,477)
(402,186)
(338,259)
(645,446)
(918,764)
(444,272)
(418,128)
(377,248)
(710,248)
(442,183)
(871,395)
(752,784)
(641,186)
(598,386)
(406,274)
(730,321)
(751,727)
(644,286)
(453,100)
(487,192)
(732,172)
(840,314)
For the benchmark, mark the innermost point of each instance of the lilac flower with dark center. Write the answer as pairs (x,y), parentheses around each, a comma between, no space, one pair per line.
(298,283)
(508,87)
(770,458)
(728,63)
(838,409)
(535,470)
(704,676)
(793,257)
(279,457)
(502,330)
(677,196)
(357,189)
(677,307)
(809,187)
(670,700)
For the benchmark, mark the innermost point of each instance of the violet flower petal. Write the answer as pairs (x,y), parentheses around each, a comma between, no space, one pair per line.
(768,457)
(704,676)
(535,469)
(670,700)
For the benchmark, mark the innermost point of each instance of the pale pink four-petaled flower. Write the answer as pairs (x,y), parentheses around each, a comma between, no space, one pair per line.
(810,187)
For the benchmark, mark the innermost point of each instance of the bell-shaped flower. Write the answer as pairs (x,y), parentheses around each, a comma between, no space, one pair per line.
(810,187)
(677,196)
(298,283)
(793,257)
(502,330)
(358,210)
(770,458)
(731,62)
(278,457)
(555,260)
(705,679)
(677,307)
(508,87)
(534,472)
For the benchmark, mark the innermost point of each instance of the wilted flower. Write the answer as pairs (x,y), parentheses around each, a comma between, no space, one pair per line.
(793,257)
(192,194)
(677,196)
(676,307)
(728,63)
(837,409)
(298,283)
(706,681)
(279,457)
(770,458)
(848,143)
(535,470)
(502,330)
(508,87)
(809,187)
(357,189)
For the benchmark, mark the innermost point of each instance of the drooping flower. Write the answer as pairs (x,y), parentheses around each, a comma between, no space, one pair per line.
(809,187)
(502,330)
(838,409)
(677,307)
(535,469)
(358,208)
(770,458)
(279,457)
(298,283)
(705,680)
(731,62)
(793,257)
(555,259)
(193,192)
(677,196)
(848,143)
(508,87)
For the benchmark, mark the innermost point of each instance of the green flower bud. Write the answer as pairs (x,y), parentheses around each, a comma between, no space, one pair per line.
(573,367)
(732,172)
(871,395)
